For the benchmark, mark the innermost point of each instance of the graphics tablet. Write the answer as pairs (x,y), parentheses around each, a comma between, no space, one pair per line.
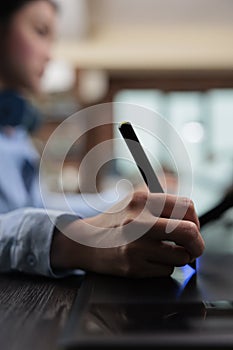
(185,310)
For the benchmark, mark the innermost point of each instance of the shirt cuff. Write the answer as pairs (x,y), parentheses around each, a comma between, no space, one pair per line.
(31,251)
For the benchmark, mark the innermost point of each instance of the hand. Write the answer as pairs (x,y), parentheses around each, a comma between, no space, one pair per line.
(168,234)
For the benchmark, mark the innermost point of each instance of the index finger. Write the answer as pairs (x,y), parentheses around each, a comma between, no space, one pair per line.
(185,234)
(173,207)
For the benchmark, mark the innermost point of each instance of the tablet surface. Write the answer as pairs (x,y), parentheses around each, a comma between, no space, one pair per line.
(183,310)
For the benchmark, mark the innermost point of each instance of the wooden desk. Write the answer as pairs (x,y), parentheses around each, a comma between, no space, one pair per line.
(33,310)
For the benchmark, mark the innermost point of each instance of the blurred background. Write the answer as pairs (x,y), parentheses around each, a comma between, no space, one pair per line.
(172,56)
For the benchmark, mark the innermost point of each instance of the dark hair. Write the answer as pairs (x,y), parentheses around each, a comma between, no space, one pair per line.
(9,7)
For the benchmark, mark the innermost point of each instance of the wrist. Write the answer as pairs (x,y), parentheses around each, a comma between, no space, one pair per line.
(66,253)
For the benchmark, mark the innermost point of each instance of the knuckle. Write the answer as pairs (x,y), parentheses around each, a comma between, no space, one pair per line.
(201,248)
(138,199)
(191,230)
(191,205)
(188,203)
(127,268)
(191,208)
(128,219)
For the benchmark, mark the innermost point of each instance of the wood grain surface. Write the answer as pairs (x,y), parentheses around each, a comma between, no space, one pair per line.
(33,310)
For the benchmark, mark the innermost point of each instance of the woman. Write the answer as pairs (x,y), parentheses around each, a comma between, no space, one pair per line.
(29,240)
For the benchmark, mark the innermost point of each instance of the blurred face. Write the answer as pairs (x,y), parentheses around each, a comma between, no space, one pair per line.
(28,41)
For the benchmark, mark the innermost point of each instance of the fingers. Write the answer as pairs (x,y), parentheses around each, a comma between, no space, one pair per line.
(151,269)
(175,220)
(184,233)
(147,269)
(168,254)
(148,257)
(169,206)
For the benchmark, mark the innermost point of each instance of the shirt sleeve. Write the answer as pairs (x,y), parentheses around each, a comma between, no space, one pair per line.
(25,240)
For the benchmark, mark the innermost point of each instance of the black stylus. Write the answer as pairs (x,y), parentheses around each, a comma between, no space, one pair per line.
(142,162)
